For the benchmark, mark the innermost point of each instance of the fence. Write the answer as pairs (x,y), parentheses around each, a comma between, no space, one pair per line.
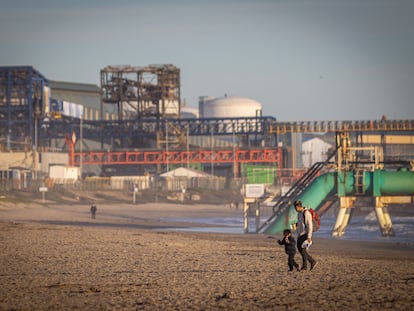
(126,184)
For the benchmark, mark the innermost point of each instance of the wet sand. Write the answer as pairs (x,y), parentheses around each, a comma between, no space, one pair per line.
(57,258)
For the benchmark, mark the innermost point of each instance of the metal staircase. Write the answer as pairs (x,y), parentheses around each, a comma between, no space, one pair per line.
(294,192)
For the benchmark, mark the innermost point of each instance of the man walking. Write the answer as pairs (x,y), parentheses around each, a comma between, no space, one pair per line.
(304,229)
(93,210)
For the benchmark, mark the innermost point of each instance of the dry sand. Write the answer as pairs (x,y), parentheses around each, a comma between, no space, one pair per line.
(57,258)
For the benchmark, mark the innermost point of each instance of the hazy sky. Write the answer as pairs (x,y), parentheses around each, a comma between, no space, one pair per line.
(302,59)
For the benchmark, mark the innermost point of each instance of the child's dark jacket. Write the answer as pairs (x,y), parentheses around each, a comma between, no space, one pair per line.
(290,246)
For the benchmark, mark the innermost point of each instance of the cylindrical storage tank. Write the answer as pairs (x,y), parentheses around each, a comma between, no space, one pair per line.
(188,112)
(230,107)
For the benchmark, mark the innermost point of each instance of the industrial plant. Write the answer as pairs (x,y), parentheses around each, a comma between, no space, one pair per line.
(133,132)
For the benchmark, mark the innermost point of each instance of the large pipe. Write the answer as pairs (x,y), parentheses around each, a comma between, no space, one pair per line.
(377,183)
(312,196)
(393,183)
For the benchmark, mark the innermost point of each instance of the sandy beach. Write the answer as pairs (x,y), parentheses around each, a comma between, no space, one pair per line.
(56,257)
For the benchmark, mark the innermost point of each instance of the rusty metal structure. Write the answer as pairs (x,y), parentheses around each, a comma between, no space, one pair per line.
(140,92)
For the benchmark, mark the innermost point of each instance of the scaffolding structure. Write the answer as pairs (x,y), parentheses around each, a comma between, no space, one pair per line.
(138,92)
(24,98)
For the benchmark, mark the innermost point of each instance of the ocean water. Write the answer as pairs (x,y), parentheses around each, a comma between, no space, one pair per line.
(362,228)
(366,228)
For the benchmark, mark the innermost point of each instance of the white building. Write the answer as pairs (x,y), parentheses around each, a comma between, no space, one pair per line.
(314,150)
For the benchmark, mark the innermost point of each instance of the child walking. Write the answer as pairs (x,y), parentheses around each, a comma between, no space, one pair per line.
(290,248)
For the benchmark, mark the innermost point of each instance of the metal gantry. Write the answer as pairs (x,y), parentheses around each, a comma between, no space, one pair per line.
(124,134)
(341,126)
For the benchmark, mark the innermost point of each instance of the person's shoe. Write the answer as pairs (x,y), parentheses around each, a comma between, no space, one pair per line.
(313,264)
(297,268)
(303,268)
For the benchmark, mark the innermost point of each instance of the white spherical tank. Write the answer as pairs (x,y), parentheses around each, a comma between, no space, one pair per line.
(230,107)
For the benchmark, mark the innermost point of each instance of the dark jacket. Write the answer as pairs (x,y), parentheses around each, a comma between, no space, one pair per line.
(290,244)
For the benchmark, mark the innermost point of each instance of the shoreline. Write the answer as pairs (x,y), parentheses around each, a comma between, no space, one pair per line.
(155,216)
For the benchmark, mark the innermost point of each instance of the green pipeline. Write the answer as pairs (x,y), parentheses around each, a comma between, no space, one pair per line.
(377,183)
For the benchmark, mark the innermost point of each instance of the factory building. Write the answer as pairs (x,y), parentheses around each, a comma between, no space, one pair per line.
(79,100)
(130,109)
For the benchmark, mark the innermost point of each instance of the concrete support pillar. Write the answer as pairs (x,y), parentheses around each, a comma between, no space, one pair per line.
(383,217)
(257,216)
(246,217)
(248,202)
(344,215)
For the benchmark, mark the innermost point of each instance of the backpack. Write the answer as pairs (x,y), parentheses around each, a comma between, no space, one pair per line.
(316,221)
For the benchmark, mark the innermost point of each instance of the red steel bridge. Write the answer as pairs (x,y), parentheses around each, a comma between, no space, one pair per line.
(157,157)
(235,156)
